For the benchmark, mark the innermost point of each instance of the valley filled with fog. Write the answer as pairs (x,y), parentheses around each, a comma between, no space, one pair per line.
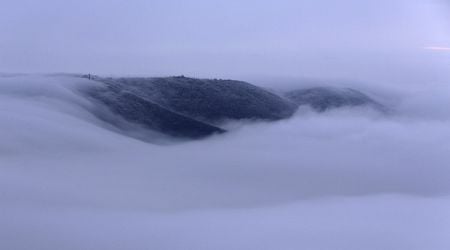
(347,178)
(225,125)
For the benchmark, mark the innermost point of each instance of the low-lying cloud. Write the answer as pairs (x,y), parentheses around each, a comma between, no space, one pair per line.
(350,178)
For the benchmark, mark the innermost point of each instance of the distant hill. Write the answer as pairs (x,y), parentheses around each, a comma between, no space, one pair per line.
(325,98)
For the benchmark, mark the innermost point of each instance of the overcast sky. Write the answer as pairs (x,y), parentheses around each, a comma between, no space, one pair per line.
(222,38)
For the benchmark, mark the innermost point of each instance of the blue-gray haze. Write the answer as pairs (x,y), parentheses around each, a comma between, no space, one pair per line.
(348,178)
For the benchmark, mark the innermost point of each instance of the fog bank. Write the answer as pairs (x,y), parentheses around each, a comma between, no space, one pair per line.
(350,178)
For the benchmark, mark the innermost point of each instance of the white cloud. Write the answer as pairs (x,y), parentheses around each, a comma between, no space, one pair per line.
(345,179)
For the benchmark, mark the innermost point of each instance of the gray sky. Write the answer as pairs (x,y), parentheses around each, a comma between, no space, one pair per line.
(222,38)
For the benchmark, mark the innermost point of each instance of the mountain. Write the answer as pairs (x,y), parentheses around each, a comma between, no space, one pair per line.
(194,108)
(188,107)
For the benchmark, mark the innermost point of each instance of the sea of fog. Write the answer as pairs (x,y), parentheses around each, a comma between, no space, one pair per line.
(350,179)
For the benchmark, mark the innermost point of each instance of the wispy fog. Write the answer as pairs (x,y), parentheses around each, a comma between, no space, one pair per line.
(357,178)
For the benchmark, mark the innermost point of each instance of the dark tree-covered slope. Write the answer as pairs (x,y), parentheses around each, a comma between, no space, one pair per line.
(188,107)
(325,98)
(195,108)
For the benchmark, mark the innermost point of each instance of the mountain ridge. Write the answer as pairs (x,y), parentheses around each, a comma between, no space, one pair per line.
(194,108)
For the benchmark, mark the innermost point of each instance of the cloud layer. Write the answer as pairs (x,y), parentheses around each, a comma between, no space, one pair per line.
(354,177)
